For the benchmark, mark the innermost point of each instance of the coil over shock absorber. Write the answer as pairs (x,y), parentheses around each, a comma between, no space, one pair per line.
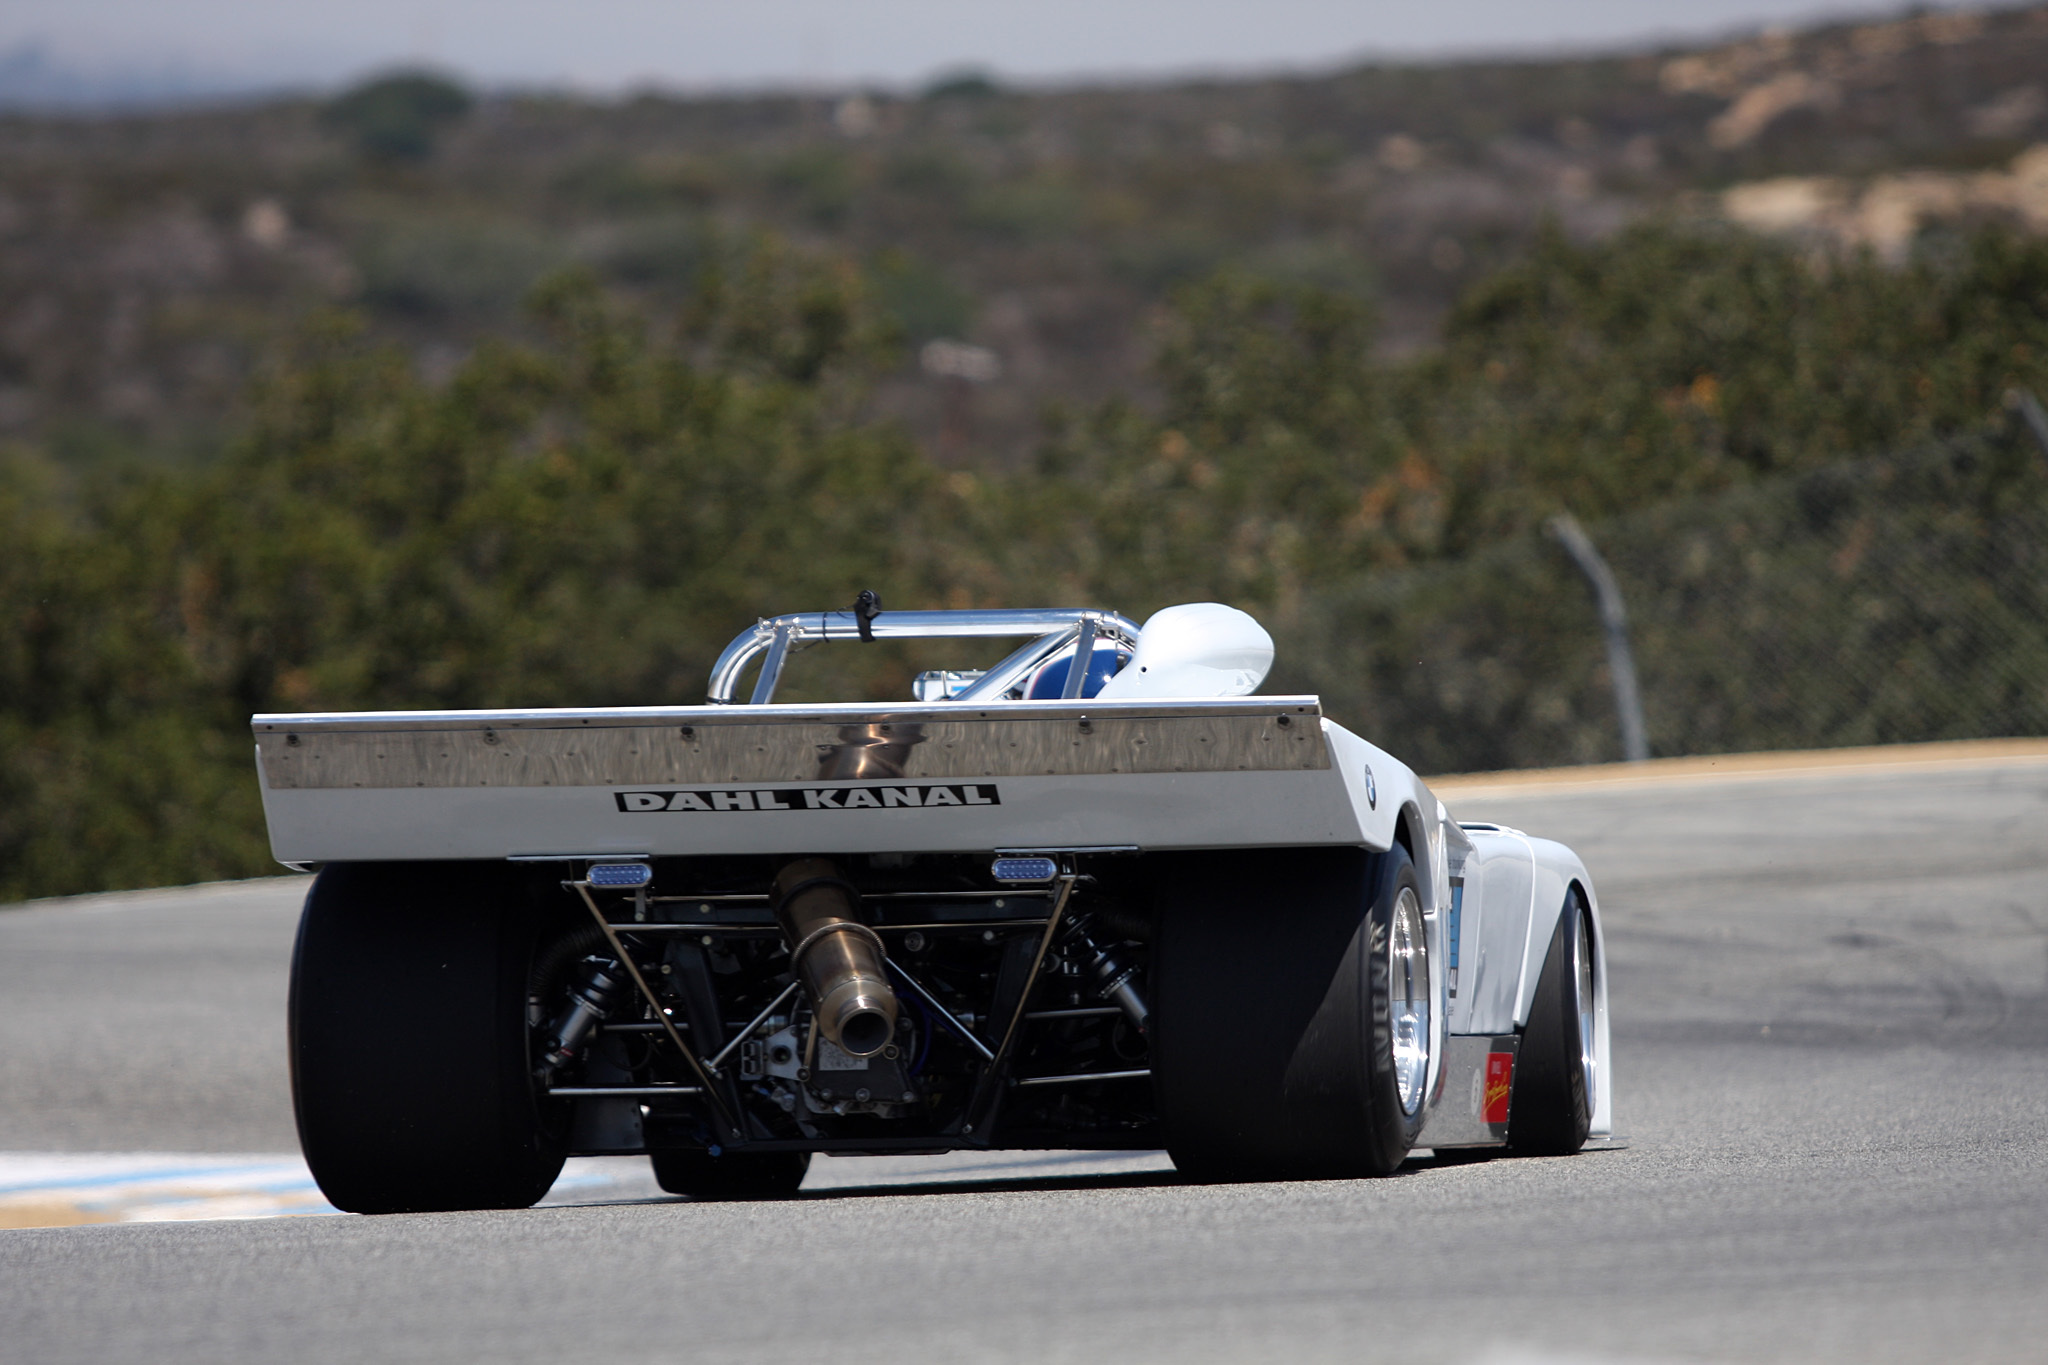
(591,995)
(1110,977)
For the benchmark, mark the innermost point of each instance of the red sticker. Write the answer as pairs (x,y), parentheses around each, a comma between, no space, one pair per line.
(1500,1073)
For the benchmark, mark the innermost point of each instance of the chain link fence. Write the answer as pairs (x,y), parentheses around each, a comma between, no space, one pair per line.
(1887,600)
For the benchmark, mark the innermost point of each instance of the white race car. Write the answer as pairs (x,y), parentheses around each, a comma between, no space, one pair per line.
(1125,904)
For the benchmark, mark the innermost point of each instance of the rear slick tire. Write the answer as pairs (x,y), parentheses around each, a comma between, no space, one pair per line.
(736,1175)
(1550,1108)
(1291,1030)
(408,1037)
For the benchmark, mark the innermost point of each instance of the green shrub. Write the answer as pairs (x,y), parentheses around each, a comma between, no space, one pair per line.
(398,117)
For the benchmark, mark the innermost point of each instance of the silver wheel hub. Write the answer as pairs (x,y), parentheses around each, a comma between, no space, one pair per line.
(1408,999)
(1583,953)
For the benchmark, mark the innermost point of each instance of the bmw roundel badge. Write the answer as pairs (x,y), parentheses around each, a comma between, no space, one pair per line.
(1372,791)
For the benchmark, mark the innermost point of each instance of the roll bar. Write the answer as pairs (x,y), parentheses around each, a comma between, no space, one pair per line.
(1054,628)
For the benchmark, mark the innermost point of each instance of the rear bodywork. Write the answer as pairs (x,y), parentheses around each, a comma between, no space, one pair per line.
(838,779)
(1118,786)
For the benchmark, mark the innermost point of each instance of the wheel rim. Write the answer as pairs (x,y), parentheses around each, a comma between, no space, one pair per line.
(1583,952)
(1408,987)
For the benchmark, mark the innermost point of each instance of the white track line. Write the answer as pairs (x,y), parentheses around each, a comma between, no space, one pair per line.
(43,1189)
(62,1189)
(59,1189)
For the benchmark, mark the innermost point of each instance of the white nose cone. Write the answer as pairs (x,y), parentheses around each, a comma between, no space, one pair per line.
(1202,649)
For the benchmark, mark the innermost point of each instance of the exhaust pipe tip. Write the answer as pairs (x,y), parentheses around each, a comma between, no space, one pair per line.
(859,1018)
(865,1030)
(839,959)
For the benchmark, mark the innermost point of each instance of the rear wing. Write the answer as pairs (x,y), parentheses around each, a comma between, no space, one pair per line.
(614,746)
(930,777)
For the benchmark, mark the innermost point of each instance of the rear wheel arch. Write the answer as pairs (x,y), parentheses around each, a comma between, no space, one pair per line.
(1582,895)
(1410,833)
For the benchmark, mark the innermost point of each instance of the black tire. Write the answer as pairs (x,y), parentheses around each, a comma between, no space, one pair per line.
(1550,1109)
(736,1175)
(409,1050)
(1272,1029)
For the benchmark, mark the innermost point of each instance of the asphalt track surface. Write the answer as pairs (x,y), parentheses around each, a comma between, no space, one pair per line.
(1830,997)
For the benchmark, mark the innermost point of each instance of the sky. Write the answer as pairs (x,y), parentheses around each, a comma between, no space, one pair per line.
(610,46)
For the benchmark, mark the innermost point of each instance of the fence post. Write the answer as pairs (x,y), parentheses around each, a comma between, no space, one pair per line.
(2028,407)
(1621,663)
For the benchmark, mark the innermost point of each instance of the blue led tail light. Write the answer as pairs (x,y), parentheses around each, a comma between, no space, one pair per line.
(627,875)
(1024,870)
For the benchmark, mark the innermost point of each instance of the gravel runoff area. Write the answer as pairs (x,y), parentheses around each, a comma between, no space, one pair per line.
(1830,991)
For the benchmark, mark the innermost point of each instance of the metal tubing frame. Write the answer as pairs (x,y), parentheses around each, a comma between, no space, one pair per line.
(1084,659)
(787,991)
(1138,1074)
(776,637)
(1015,667)
(704,1080)
(751,898)
(977,1105)
(965,1033)
(946,925)
(771,668)
(710,927)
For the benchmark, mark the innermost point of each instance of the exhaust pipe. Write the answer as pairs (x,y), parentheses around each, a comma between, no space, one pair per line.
(838,959)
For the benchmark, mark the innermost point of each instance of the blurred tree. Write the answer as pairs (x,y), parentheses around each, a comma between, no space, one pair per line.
(584,516)
(1670,360)
(584,520)
(968,83)
(398,117)
(922,299)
